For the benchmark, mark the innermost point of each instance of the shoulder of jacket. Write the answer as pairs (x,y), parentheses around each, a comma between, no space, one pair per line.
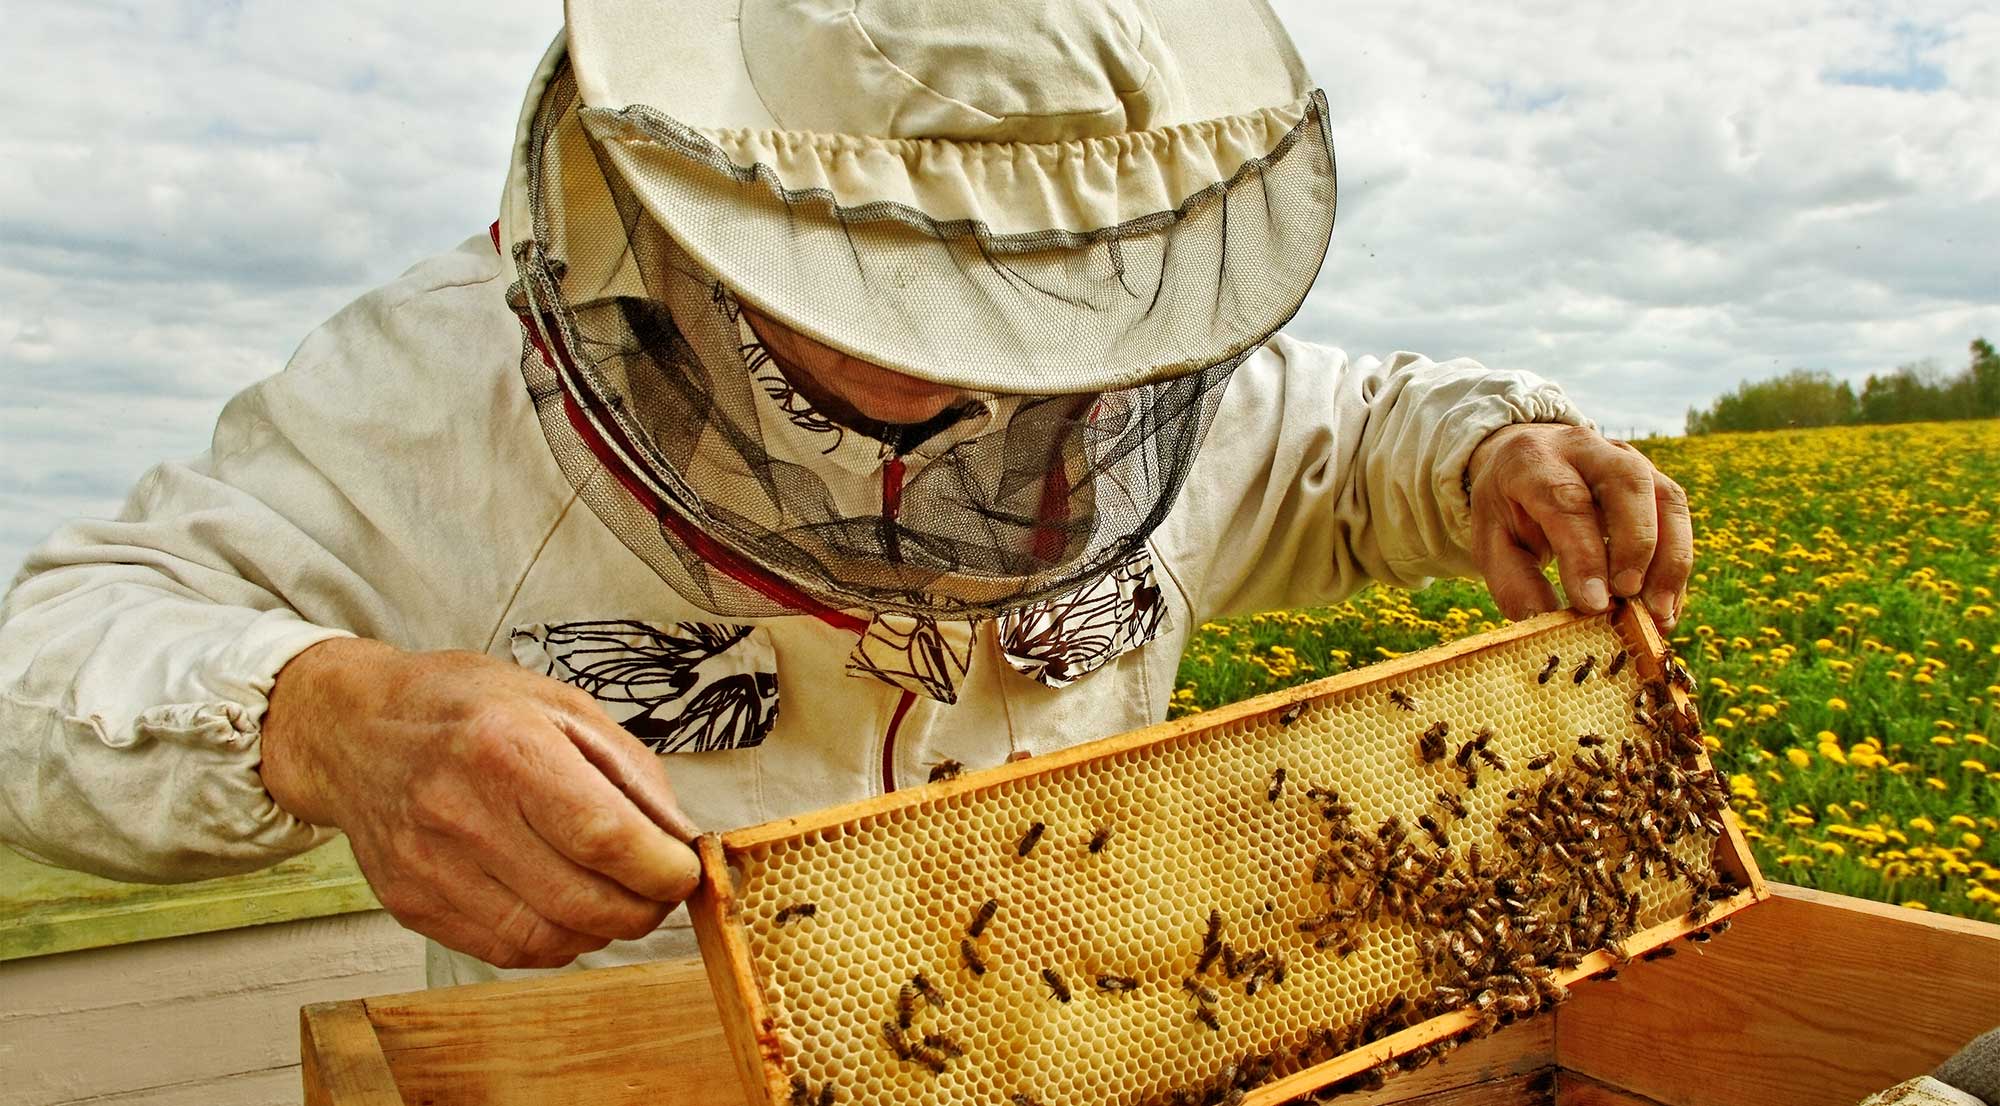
(451,301)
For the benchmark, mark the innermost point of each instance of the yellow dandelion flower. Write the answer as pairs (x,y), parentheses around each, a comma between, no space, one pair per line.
(1936,784)
(1836,703)
(1922,823)
(1971,840)
(1976,767)
(1917,904)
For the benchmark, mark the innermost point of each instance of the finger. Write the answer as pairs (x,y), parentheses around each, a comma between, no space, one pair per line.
(567,894)
(464,909)
(1557,499)
(1673,561)
(585,817)
(1513,573)
(633,769)
(1621,481)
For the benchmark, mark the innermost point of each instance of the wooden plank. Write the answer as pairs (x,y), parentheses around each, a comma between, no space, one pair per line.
(1531,1089)
(646,1034)
(1581,1090)
(340,1061)
(120,1022)
(46,910)
(1811,998)
(1030,767)
(1520,1050)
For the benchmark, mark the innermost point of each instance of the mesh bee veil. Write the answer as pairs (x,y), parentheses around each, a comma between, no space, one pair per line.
(690,442)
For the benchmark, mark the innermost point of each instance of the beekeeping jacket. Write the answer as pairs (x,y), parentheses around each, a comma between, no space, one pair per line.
(395,482)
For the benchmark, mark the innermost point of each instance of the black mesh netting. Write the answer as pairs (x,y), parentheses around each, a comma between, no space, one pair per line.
(689,441)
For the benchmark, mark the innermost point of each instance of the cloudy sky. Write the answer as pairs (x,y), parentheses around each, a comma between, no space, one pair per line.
(1649,202)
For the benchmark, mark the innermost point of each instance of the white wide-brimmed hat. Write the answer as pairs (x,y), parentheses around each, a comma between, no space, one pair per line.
(1055,196)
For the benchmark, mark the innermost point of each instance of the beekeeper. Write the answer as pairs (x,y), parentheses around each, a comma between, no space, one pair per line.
(841,391)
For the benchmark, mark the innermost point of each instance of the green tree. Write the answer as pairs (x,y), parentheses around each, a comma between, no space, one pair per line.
(1985,374)
(1796,399)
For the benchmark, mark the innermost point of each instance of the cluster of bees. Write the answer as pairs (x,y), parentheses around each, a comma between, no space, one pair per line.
(1561,878)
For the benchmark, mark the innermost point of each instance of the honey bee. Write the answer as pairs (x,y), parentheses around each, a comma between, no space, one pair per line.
(1097,840)
(1617,664)
(1206,1016)
(906,1006)
(1451,804)
(1549,669)
(1436,831)
(1431,745)
(1200,992)
(1116,983)
(971,955)
(898,1042)
(922,983)
(1277,787)
(1402,699)
(1660,953)
(794,912)
(1277,970)
(1493,759)
(1214,933)
(1056,985)
(826,1095)
(946,769)
(1208,954)
(943,1044)
(1291,714)
(1583,670)
(929,1057)
(1029,839)
(801,1092)
(982,916)
(1472,777)
(1677,675)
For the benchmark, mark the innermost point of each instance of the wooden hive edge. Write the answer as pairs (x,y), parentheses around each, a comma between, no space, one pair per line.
(1732,853)
(747,1023)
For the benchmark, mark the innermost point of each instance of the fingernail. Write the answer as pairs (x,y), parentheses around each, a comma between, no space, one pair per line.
(1662,605)
(1630,581)
(1593,596)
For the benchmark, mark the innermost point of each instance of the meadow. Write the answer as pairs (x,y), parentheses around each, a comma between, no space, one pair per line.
(1841,624)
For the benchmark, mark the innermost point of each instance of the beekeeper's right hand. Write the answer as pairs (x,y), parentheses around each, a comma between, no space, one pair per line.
(492,809)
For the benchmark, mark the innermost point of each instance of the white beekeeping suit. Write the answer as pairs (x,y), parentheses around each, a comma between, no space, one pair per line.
(563,443)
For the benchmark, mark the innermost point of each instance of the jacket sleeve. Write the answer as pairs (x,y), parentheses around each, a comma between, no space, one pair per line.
(1324,473)
(136,654)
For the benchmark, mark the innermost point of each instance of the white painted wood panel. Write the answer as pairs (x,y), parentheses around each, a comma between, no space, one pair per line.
(211,1018)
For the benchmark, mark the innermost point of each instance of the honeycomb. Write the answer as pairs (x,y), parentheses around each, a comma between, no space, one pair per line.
(1190,859)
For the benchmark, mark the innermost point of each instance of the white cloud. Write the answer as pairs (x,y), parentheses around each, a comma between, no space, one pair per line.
(1646,202)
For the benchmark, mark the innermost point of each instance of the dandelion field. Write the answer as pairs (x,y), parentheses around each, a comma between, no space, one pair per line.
(1841,623)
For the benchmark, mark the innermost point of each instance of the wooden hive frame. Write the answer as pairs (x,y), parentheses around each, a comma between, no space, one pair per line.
(752,1027)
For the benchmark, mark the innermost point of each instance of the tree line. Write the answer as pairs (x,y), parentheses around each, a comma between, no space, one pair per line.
(1917,392)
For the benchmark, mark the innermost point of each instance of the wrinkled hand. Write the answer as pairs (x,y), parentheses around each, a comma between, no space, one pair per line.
(1613,523)
(497,811)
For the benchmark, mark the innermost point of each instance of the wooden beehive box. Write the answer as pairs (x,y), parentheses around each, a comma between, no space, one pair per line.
(1243,906)
(1812,999)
